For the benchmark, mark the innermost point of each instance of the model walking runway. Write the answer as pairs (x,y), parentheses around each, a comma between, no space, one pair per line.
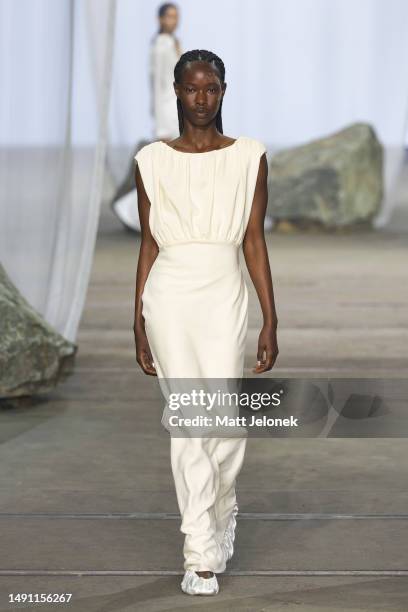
(191,311)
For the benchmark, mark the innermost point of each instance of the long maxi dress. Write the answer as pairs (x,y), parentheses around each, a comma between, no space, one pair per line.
(195,306)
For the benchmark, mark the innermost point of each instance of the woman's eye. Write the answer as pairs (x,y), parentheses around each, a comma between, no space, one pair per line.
(191,89)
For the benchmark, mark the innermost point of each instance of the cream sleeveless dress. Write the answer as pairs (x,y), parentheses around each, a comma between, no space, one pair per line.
(195,298)
(195,306)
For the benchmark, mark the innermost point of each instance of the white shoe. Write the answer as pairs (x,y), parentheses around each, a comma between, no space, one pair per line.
(229,534)
(193,584)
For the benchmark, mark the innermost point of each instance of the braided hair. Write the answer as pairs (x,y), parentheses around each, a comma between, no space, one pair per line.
(198,55)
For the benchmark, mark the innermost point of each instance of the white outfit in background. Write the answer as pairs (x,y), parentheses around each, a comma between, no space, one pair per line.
(163,58)
(163,107)
(195,306)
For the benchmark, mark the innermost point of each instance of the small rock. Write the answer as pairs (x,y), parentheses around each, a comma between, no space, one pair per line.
(33,356)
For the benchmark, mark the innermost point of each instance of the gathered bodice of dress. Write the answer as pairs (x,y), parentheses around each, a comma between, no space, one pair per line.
(200,197)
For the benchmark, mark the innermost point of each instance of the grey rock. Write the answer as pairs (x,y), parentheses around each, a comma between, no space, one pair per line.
(33,356)
(335,181)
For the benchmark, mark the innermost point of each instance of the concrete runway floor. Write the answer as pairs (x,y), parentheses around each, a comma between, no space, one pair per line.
(87,500)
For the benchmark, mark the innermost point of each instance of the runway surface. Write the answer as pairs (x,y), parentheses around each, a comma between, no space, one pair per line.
(87,500)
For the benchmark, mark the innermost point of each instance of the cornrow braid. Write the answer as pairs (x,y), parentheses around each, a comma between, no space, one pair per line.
(198,55)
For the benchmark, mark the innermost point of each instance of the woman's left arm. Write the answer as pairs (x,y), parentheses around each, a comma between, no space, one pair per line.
(257,261)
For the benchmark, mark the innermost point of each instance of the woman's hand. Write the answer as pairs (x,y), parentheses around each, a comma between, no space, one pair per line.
(143,354)
(267,349)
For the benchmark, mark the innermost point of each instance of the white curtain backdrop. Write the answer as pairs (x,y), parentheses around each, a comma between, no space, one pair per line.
(55,67)
(296,70)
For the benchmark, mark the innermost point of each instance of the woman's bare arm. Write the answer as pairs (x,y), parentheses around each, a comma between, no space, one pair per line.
(147,254)
(257,261)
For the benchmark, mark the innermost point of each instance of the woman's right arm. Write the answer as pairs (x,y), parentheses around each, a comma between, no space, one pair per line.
(147,254)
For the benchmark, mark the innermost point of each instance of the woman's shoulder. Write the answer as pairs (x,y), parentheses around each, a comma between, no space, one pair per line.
(253,144)
(147,150)
(164,40)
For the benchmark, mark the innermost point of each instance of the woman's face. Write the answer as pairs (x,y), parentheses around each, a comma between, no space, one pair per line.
(169,20)
(200,92)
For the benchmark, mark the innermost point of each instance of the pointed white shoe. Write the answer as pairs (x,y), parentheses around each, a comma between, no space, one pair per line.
(193,584)
(229,534)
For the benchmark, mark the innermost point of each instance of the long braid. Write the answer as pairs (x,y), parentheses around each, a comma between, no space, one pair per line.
(200,55)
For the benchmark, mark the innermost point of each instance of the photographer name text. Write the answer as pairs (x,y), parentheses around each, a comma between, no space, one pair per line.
(239,421)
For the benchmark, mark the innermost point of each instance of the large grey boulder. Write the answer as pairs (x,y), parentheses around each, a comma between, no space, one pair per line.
(335,181)
(33,356)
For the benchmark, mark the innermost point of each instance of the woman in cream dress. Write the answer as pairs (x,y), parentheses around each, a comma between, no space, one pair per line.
(201,198)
